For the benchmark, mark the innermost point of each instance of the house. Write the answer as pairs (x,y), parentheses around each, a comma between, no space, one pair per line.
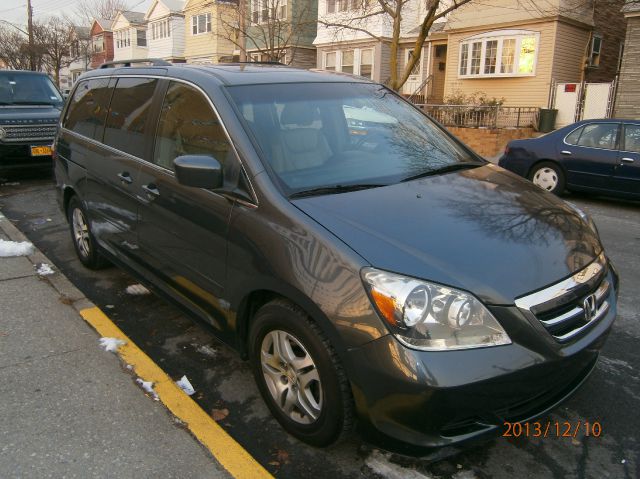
(165,30)
(129,36)
(628,95)
(80,54)
(101,42)
(283,31)
(206,23)
(517,50)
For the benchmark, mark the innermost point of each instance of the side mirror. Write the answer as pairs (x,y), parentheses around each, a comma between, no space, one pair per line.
(199,171)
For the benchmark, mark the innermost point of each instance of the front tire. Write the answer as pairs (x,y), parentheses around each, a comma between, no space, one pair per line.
(548,176)
(299,375)
(82,238)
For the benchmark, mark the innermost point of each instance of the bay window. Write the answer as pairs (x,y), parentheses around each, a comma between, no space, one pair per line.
(498,54)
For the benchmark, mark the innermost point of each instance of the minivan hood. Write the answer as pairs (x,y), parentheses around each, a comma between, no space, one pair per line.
(28,115)
(484,230)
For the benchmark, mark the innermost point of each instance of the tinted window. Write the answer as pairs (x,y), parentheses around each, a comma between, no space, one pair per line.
(599,135)
(128,114)
(632,138)
(27,89)
(88,108)
(574,136)
(325,134)
(188,126)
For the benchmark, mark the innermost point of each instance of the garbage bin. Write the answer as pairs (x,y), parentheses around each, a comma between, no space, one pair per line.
(547,120)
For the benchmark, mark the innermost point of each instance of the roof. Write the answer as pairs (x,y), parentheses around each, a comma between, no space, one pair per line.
(172,5)
(104,23)
(133,17)
(631,6)
(239,73)
(435,28)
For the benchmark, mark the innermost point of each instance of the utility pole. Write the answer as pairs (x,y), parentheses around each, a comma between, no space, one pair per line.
(242,39)
(32,60)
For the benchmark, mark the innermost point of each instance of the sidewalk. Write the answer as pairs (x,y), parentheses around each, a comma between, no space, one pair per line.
(67,407)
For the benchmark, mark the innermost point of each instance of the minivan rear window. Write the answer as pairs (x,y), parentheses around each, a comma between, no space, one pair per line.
(128,114)
(88,108)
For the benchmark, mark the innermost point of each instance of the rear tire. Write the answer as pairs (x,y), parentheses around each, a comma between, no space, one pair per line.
(548,176)
(299,375)
(82,238)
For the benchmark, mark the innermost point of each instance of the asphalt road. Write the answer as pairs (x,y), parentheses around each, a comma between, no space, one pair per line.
(225,388)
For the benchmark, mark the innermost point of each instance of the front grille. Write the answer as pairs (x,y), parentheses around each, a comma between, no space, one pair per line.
(569,308)
(21,133)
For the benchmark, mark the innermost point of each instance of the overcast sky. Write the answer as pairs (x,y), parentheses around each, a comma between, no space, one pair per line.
(15,11)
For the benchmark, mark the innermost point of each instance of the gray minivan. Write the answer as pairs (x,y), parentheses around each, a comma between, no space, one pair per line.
(373,269)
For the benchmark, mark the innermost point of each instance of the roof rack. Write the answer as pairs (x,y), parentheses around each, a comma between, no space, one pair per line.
(156,62)
(261,63)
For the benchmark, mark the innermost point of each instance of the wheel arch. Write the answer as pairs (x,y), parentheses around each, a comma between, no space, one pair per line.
(546,160)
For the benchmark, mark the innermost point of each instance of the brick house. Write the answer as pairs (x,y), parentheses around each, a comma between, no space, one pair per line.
(628,95)
(101,42)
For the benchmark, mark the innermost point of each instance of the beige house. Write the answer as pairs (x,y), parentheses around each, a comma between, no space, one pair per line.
(129,36)
(517,50)
(205,31)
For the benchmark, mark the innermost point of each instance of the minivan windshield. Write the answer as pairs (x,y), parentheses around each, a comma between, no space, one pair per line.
(320,138)
(28,89)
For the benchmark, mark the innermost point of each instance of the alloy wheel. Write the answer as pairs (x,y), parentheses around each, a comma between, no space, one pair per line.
(291,376)
(81,232)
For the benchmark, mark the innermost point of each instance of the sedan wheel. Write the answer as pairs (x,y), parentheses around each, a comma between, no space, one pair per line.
(548,176)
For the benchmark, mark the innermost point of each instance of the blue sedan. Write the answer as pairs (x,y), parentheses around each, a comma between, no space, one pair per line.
(600,156)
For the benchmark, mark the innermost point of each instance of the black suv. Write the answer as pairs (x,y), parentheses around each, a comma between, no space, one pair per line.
(371,267)
(30,106)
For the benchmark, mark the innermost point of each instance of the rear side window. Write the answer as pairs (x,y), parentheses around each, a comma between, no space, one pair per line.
(88,108)
(128,115)
(188,126)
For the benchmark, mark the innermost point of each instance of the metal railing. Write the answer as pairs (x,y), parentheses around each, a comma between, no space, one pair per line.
(472,116)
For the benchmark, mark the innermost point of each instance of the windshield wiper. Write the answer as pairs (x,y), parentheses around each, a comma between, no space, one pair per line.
(33,103)
(328,190)
(444,169)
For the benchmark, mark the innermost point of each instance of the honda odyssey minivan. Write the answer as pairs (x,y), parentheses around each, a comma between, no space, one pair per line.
(374,270)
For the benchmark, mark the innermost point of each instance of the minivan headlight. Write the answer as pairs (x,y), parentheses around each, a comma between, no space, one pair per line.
(429,316)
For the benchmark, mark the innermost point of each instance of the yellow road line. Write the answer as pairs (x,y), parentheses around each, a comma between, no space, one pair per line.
(233,457)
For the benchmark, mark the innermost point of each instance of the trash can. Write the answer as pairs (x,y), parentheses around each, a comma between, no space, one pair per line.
(547,120)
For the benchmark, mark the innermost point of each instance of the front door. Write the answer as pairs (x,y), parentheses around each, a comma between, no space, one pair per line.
(183,230)
(626,175)
(415,78)
(590,154)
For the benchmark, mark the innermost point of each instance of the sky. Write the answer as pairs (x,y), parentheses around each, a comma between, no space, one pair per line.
(15,11)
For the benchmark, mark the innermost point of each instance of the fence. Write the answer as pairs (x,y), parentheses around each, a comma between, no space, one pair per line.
(470,116)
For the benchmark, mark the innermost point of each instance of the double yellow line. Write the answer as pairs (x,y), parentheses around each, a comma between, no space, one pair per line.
(233,457)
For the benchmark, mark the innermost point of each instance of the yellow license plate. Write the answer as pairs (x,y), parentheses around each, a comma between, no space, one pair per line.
(40,150)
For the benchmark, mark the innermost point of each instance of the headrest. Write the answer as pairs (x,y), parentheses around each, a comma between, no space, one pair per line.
(298,114)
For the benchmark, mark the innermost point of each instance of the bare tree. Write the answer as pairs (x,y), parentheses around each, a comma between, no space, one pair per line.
(56,40)
(268,28)
(15,51)
(394,13)
(89,10)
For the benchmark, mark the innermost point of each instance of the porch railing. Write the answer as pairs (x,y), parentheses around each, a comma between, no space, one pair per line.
(471,116)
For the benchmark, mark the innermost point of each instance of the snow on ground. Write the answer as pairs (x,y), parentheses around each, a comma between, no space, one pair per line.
(15,248)
(206,350)
(136,290)
(185,385)
(44,269)
(111,344)
(148,387)
(380,464)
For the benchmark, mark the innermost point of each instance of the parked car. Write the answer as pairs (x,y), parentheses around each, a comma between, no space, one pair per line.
(599,156)
(378,272)
(30,106)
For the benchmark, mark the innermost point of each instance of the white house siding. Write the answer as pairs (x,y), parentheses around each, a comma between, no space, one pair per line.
(130,52)
(171,47)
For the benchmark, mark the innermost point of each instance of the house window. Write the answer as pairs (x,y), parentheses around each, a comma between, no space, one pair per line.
(495,54)
(330,61)
(408,56)
(201,24)
(98,44)
(596,48)
(366,63)
(141,38)
(160,30)
(347,61)
(342,5)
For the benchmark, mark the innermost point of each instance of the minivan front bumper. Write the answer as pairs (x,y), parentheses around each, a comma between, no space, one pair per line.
(411,401)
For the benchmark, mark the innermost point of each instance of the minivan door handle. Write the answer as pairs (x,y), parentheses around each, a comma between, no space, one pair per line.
(151,190)
(125,177)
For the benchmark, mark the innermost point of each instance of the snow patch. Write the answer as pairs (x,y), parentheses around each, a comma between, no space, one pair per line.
(44,269)
(380,464)
(207,351)
(111,344)
(137,290)
(15,248)
(148,387)
(186,386)
(11,183)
